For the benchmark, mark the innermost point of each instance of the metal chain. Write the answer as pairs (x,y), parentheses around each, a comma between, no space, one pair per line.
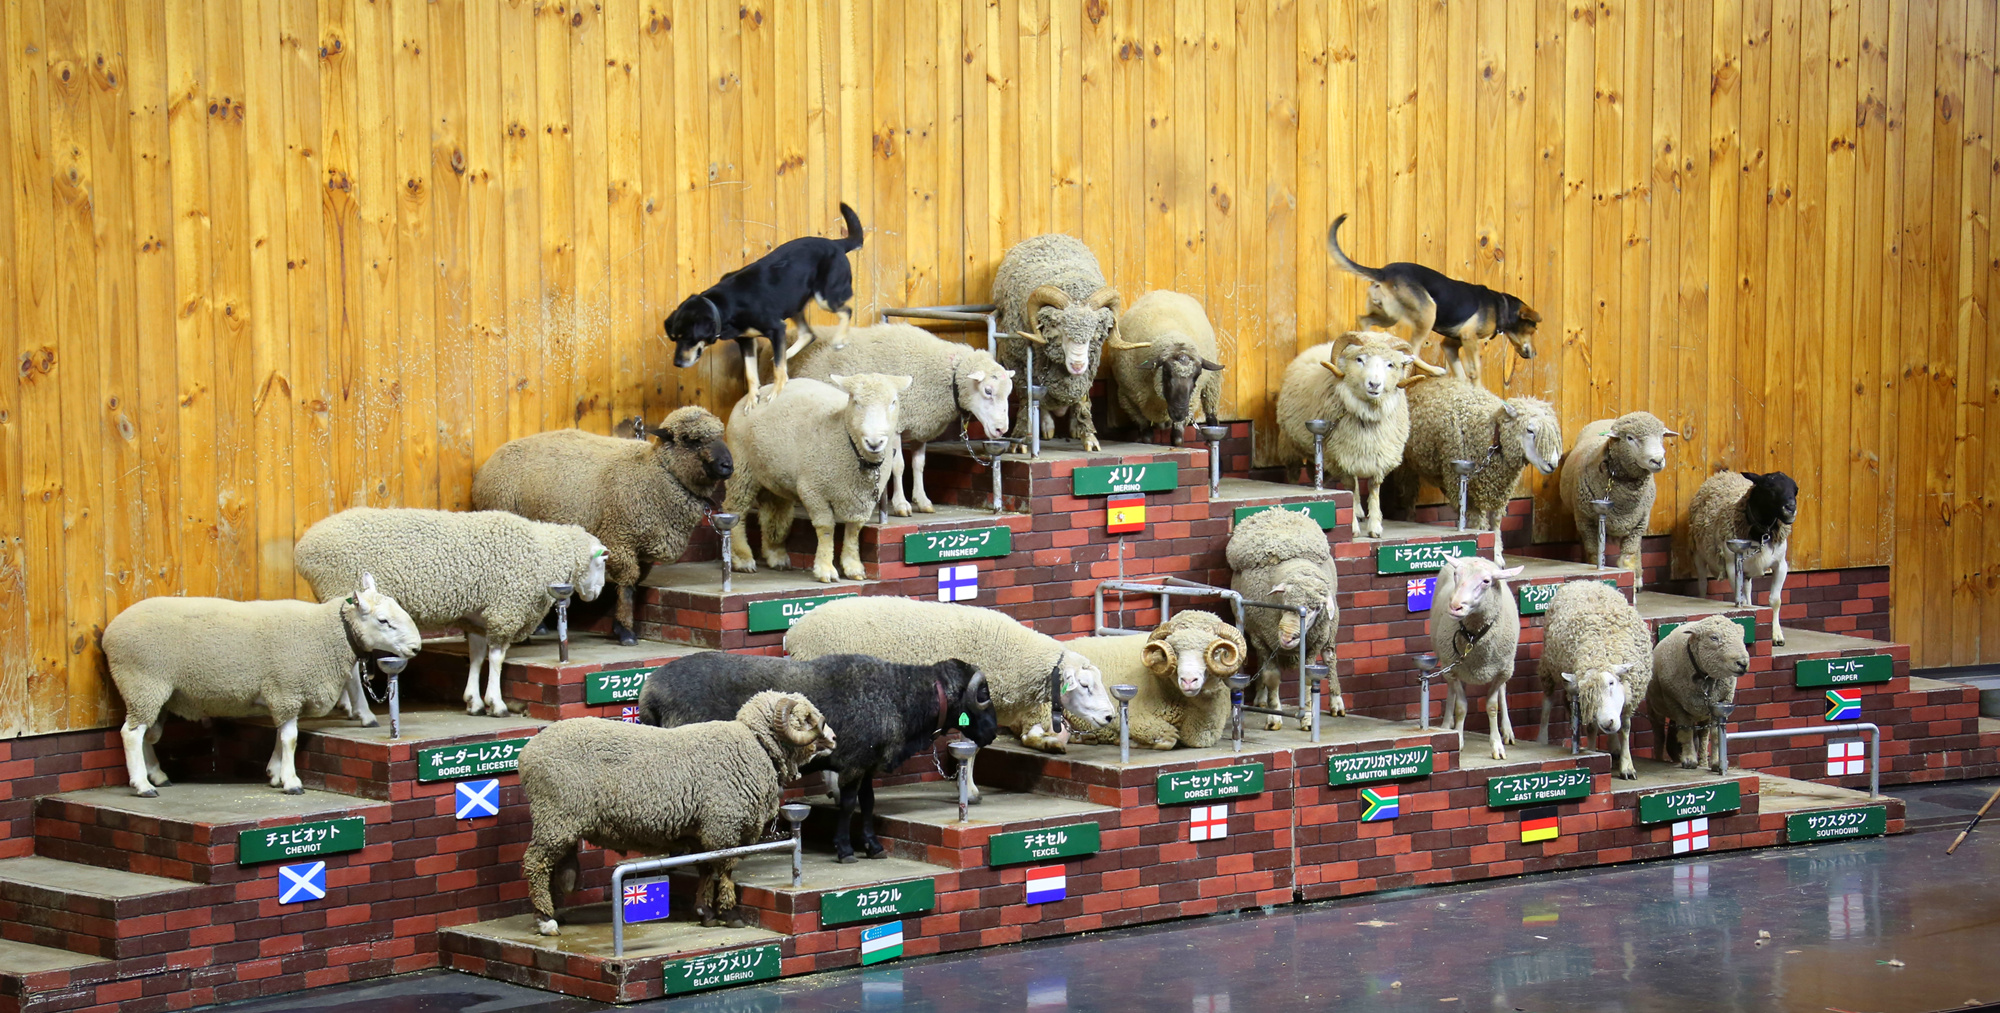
(366,670)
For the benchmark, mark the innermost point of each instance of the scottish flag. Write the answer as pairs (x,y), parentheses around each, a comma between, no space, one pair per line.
(300,883)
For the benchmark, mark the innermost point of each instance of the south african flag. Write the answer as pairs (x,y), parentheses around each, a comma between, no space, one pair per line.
(1380,803)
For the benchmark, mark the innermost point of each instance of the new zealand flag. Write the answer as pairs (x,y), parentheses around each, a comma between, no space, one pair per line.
(646,901)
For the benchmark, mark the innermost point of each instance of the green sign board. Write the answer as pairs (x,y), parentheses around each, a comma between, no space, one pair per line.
(1834,824)
(1380,765)
(1422,557)
(1323,512)
(1211,784)
(1534,599)
(730,967)
(1843,671)
(1037,845)
(300,840)
(614,685)
(868,903)
(777,616)
(1748,623)
(1105,479)
(472,759)
(1687,803)
(951,546)
(1542,786)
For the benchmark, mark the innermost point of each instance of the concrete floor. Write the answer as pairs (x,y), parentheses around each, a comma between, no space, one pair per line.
(1888,924)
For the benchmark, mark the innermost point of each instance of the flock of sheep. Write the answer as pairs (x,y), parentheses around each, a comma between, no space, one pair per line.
(891,676)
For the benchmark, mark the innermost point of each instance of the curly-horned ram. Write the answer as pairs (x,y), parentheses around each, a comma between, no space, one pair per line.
(1052,297)
(1693,691)
(1598,654)
(1182,671)
(1355,382)
(487,572)
(1278,555)
(1475,629)
(1452,420)
(1167,364)
(629,787)
(1759,509)
(202,658)
(949,381)
(1615,460)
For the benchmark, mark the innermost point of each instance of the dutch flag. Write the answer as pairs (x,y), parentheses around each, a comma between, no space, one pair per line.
(1046,884)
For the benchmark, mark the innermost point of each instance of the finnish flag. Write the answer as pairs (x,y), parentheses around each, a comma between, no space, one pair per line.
(300,883)
(958,583)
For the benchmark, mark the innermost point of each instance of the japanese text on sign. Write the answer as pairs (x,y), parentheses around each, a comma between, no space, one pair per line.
(1036,845)
(735,967)
(1686,803)
(1542,786)
(618,685)
(773,616)
(1213,783)
(1381,765)
(1103,480)
(967,543)
(1866,821)
(473,759)
(1816,672)
(323,837)
(1421,557)
(885,901)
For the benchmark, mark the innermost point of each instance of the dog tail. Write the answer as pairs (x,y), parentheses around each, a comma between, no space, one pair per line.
(1333,247)
(853,240)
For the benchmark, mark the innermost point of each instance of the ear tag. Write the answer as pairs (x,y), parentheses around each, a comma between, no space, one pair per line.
(964,719)
(350,601)
(1068,684)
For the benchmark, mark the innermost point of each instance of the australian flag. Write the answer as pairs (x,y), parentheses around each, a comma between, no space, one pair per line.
(646,901)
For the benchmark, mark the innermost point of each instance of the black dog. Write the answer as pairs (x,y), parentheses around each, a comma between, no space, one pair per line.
(1464,313)
(759,298)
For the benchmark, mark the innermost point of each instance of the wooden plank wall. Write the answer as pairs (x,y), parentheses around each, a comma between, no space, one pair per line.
(264,259)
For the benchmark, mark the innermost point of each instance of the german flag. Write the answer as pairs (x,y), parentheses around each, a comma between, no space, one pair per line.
(1124,514)
(1539,824)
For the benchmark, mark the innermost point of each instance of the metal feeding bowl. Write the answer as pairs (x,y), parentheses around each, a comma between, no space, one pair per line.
(1212,433)
(1240,680)
(1427,662)
(722,521)
(562,590)
(962,749)
(391,664)
(795,812)
(1317,672)
(1317,427)
(993,448)
(1125,691)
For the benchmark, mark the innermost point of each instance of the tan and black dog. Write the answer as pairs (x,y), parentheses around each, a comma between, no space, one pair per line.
(1463,313)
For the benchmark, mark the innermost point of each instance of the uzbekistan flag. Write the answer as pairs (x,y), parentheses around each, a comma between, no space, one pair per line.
(882,942)
(1381,803)
(1047,884)
(1124,514)
(1540,824)
(645,902)
(1691,835)
(1842,706)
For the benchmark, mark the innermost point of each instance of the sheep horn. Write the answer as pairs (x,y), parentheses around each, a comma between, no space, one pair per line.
(1045,295)
(1156,657)
(1671,433)
(1340,344)
(1108,296)
(1213,367)
(1117,344)
(1036,338)
(1334,369)
(1223,657)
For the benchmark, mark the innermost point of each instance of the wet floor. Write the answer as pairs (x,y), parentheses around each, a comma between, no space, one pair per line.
(1888,924)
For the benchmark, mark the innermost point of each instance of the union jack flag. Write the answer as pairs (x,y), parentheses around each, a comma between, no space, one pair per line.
(629,714)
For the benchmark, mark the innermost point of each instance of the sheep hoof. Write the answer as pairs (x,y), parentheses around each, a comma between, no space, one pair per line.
(744,566)
(626,638)
(295,789)
(547,927)
(855,572)
(146,793)
(734,919)
(159,779)
(847,859)
(878,851)
(925,506)
(825,574)
(498,709)
(1274,724)
(1777,640)
(371,723)
(899,509)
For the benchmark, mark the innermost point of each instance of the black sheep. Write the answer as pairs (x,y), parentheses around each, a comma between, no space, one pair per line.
(883,713)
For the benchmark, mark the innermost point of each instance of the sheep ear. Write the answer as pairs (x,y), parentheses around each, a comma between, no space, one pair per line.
(1569,678)
(368,582)
(1671,433)
(836,379)
(975,376)
(1213,367)
(1621,669)
(1508,407)
(902,383)
(1008,373)
(1280,588)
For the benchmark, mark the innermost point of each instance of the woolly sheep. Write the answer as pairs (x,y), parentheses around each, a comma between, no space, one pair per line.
(1282,556)
(1182,670)
(1757,508)
(1597,652)
(949,382)
(1166,363)
(1695,669)
(487,572)
(1452,420)
(820,445)
(1051,294)
(630,787)
(1615,459)
(202,658)
(1475,629)
(1355,382)
(641,501)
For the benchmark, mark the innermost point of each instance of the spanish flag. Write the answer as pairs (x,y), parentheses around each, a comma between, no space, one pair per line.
(1124,514)
(1539,824)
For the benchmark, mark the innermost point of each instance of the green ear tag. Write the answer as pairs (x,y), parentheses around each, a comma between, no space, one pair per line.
(964,719)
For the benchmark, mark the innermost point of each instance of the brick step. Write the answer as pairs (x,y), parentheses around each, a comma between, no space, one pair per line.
(535,682)
(99,912)
(32,976)
(920,821)
(189,832)
(337,755)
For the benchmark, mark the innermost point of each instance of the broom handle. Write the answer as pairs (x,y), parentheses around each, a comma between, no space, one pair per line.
(1960,839)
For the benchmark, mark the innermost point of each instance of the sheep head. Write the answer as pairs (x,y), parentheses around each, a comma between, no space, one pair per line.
(1300,584)
(376,622)
(1637,444)
(1598,697)
(1531,425)
(1465,582)
(971,711)
(1179,367)
(1716,645)
(1518,322)
(691,448)
(1371,364)
(1081,686)
(1078,327)
(1773,500)
(1196,651)
(790,723)
(983,389)
(589,582)
(874,413)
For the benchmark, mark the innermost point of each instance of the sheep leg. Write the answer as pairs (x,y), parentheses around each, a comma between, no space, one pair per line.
(283,774)
(153,771)
(1020,431)
(475,656)
(1374,503)
(1621,743)
(826,532)
(1360,510)
(870,845)
(899,505)
(1778,575)
(1269,675)
(1506,724)
(725,894)
(850,800)
(1691,741)
(918,495)
(496,660)
(1548,705)
(850,552)
(1497,726)
(1628,555)
(1454,709)
(621,622)
(538,865)
(134,736)
(355,700)
(774,522)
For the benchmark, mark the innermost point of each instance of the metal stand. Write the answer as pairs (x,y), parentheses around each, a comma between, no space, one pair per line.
(1316,676)
(1603,508)
(793,812)
(1318,428)
(993,449)
(724,523)
(985,314)
(1464,470)
(1124,691)
(1739,583)
(1035,392)
(561,593)
(392,666)
(1236,684)
(1575,728)
(963,750)
(1426,673)
(1214,435)
(1868,728)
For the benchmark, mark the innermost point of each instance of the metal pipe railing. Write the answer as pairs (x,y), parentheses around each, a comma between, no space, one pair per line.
(964,313)
(1873,732)
(793,812)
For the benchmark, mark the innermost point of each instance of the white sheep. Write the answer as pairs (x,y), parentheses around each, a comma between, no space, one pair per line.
(205,658)
(626,787)
(817,445)
(1475,629)
(487,572)
(1282,556)
(1052,294)
(1758,509)
(1596,652)
(1166,362)
(1017,660)
(1693,691)
(1182,670)
(1615,459)
(642,502)
(949,382)
(1355,382)
(1452,420)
